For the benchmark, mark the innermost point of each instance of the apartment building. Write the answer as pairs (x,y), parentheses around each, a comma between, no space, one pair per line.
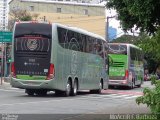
(3,15)
(90,17)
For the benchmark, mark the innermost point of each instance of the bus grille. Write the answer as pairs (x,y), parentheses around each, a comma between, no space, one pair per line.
(117,64)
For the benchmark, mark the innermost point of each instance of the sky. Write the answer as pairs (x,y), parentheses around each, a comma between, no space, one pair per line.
(116,23)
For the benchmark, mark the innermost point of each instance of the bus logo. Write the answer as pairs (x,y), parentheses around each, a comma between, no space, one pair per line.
(32,44)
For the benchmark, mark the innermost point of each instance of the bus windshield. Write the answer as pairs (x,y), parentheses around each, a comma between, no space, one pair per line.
(117,49)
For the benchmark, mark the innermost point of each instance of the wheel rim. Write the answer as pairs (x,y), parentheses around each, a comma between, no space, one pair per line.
(133,84)
(75,88)
(100,87)
(68,88)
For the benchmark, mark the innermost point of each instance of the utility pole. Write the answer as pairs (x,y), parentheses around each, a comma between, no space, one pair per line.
(107,27)
(107,24)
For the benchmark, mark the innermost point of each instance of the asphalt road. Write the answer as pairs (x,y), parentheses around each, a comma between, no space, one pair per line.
(84,105)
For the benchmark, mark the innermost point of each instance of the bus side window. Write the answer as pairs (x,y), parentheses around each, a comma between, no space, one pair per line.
(84,43)
(62,37)
(99,48)
(89,47)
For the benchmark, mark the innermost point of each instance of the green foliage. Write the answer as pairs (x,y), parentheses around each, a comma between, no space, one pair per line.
(126,39)
(142,13)
(151,97)
(20,14)
(26,18)
(151,48)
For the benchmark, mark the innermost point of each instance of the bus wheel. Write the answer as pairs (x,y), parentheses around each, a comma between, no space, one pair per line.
(58,93)
(29,92)
(132,85)
(74,88)
(100,88)
(139,85)
(67,92)
(41,92)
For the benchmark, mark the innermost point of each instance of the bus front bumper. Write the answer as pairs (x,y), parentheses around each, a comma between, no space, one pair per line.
(33,84)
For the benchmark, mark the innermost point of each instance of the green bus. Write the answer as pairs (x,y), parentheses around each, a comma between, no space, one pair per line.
(125,65)
(54,57)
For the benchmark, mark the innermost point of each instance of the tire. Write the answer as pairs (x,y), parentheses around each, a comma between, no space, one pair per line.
(133,85)
(139,85)
(41,92)
(74,88)
(67,92)
(58,93)
(99,91)
(30,92)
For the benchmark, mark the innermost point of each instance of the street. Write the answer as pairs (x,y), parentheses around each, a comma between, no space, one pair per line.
(111,101)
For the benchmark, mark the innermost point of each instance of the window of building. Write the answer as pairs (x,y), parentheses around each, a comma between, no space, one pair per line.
(58,10)
(85,12)
(31,8)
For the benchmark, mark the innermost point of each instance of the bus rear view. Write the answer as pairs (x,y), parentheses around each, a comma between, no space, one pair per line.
(126,65)
(118,66)
(32,54)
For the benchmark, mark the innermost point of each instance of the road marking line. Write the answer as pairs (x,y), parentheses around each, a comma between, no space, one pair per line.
(132,97)
(11,90)
(110,96)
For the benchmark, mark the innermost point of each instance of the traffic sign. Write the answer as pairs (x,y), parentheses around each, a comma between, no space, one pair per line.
(5,36)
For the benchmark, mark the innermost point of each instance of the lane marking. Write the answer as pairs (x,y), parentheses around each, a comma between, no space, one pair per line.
(11,90)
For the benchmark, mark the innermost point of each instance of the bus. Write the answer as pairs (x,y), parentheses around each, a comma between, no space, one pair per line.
(54,57)
(125,65)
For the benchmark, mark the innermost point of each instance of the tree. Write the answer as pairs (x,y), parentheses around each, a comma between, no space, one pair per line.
(151,48)
(144,14)
(151,97)
(126,39)
(20,14)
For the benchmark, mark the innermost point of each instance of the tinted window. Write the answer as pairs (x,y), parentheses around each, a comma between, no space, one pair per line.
(117,49)
(71,40)
(136,54)
(33,29)
(32,48)
(32,44)
(79,42)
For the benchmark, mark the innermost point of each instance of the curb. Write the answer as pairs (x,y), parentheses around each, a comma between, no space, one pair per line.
(7,79)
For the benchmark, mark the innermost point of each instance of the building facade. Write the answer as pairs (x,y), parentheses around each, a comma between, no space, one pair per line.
(3,15)
(78,1)
(90,17)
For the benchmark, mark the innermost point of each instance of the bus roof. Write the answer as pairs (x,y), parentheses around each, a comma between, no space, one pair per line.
(127,44)
(67,27)
(80,31)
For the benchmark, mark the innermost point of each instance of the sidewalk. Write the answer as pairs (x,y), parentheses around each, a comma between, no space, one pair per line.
(5,84)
